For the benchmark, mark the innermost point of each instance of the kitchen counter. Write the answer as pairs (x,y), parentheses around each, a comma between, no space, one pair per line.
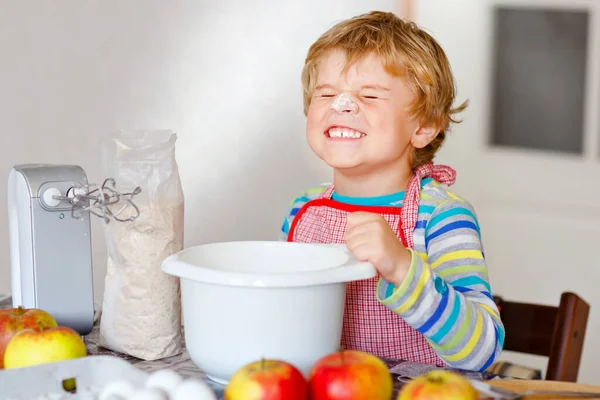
(182,363)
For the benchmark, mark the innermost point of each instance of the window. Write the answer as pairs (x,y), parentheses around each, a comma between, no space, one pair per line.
(539,79)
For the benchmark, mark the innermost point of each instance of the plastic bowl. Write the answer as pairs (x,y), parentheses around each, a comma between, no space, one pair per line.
(244,301)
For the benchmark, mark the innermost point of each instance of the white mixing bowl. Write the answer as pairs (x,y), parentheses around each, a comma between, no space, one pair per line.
(243,301)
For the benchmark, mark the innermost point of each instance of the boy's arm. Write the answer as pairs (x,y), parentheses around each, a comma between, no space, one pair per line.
(295,205)
(285,228)
(449,299)
(291,211)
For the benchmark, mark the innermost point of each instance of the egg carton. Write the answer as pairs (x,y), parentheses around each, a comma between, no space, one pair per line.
(45,382)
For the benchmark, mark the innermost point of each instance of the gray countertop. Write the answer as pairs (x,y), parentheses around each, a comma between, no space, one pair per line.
(185,366)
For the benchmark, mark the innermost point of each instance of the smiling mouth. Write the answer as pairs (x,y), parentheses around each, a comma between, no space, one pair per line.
(341,132)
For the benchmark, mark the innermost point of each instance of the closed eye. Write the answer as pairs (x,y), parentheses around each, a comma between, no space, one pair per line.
(371,97)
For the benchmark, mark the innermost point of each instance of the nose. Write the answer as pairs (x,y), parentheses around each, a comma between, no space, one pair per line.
(344,103)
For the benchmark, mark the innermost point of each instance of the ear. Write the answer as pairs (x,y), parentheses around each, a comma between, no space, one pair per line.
(424,135)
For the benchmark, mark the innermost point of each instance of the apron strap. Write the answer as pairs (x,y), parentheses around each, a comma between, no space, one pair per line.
(410,207)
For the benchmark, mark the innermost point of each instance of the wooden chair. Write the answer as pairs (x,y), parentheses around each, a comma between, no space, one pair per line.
(555,332)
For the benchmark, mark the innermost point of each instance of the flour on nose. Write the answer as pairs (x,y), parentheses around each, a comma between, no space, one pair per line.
(344,102)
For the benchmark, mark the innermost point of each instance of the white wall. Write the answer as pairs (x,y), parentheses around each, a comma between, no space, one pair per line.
(543,243)
(225,75)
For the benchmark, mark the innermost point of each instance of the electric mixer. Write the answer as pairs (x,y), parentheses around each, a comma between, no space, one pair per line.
(49,209)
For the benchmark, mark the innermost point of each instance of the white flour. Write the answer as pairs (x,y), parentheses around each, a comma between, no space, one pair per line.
(141,314)
(344,102)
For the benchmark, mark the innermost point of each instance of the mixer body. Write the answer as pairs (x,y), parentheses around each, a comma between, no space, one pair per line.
(50,250)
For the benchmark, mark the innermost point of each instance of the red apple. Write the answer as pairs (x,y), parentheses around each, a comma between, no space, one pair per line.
(43,345)
(267,380)
(439,384)
(13,320)
(350,374)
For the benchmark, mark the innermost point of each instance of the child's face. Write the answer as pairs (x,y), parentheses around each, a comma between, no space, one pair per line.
(380,116)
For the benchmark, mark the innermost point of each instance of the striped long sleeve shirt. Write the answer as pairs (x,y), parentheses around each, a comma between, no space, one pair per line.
(446,295)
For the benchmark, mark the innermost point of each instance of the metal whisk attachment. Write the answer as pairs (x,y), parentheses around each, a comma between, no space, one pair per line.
(102,201)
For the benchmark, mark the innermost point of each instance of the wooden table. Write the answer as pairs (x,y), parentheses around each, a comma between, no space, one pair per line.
(520,386)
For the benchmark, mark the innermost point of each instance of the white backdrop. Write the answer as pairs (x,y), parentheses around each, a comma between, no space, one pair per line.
(224,75)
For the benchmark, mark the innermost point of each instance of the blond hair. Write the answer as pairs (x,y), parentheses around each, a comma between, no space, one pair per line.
(405,50)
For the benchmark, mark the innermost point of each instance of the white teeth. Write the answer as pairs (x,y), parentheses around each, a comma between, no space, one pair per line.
(344,133)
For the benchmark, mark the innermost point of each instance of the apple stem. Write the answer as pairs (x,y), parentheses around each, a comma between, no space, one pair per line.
(19,311)
(262,363)
(40,325)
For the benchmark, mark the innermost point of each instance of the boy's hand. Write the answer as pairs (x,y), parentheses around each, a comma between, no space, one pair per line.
(369,237)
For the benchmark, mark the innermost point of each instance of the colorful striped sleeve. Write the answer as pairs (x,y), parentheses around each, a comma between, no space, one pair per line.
(448,297)
(295,206)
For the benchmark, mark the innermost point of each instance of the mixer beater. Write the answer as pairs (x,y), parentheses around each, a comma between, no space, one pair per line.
(97,200)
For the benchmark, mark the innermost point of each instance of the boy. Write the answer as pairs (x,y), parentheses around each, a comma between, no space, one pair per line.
(378,95)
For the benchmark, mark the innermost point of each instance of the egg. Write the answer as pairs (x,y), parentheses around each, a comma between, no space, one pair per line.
(193,389)
(165,379)
(119,389)
(149,394)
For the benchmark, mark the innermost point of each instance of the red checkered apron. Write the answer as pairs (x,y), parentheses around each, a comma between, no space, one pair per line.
(369,325)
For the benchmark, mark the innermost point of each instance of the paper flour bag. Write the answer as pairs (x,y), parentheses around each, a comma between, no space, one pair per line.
(141,313)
